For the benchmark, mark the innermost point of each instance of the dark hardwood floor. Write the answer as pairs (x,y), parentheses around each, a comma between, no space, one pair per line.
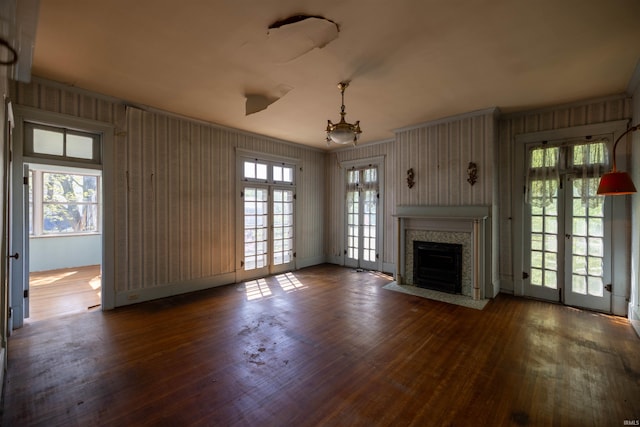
(324,346)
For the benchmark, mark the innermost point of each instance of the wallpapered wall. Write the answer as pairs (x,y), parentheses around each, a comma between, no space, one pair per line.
(175,189)
(560,117)
(175,181)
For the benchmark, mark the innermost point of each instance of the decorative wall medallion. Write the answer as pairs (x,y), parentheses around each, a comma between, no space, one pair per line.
(472,171)
(410,178)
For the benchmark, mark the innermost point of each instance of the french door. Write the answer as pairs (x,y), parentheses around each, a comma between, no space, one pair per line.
(569,230)
(362,218)
(268,219)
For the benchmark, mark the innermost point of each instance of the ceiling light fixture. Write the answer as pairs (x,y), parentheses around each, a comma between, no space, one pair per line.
(343,132)
(617,183)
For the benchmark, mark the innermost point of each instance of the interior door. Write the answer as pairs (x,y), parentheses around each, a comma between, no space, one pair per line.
(19,240)
(6,222)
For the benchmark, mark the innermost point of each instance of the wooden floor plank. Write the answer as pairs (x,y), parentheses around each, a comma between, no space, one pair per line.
(335,350)
(59,292)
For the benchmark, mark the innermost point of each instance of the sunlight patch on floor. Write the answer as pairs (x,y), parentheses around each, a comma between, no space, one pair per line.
(52,278)
(257,289)
(289,282)
(95,282)
(260,288)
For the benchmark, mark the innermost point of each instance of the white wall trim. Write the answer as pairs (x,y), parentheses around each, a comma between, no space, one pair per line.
(572,132)
(19,244)
(495,111)
(569,105)
(135,296)
(615,128)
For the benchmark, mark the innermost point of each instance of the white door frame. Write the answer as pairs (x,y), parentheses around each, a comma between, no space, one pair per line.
(620,271)
(241,183)
(360,163)
(19,277)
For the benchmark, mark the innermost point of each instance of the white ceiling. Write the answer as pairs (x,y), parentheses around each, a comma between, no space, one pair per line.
(409,61)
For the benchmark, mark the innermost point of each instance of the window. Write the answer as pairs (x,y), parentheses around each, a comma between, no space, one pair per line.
(63,203)
(52,142)
(268,172)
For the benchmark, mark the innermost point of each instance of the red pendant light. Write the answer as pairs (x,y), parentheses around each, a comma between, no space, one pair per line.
(617,183)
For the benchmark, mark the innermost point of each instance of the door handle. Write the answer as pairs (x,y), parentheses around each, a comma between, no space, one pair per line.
(15,256)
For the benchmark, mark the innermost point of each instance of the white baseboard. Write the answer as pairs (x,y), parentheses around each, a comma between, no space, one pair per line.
(634,317)
(309,262)
(135,296)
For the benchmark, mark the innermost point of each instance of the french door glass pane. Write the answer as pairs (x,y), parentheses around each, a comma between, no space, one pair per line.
(282,226)
(369,225)
(587,275)
(353,217)
(544,244)
(256,233)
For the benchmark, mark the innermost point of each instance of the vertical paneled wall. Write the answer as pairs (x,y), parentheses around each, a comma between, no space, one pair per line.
(585,113)
(175,197)
(439,155)
(335,193)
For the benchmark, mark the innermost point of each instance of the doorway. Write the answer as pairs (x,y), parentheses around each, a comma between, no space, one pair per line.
(57,206)
(568,226)
(267,230)
(65,241)
(362,217)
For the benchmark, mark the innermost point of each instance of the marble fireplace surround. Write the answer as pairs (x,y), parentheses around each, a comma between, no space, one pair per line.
(466,225)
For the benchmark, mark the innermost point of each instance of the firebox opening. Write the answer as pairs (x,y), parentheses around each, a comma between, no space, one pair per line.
(438,266)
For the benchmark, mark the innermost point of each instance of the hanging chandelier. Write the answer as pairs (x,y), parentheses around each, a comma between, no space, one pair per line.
(343,132)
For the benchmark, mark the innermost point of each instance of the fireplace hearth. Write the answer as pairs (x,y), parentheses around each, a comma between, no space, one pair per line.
(437,266)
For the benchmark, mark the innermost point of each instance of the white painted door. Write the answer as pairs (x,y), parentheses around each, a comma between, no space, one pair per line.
(282,227)
(568,233)
(588,271)
(255,253)
(362,218)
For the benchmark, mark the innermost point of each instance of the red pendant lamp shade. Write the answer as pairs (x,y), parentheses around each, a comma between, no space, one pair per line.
(617,183)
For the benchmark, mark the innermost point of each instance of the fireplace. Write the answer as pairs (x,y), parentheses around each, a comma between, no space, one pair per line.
(437,266)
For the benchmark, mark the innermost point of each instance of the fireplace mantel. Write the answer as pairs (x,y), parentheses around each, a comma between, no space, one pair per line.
(444,212)
(465,219)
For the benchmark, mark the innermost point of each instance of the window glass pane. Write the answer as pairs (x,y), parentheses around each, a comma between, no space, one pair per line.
(277,173)
(70,203)
(370,175)
(544,157)
(352,177)
(287,174)
(48,142)
(249,170)
(79,146)
(590,154)
(261,171)
(69,218)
